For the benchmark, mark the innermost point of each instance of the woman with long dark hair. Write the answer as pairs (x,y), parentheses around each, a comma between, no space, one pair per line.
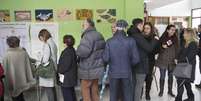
(166,58)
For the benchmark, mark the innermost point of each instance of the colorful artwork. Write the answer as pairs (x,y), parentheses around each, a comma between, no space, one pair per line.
(4,16)
(44,15)
(65,15)
(22,15)
(106,15)
(82,14)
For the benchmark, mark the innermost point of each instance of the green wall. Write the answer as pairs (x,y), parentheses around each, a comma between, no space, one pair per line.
(126,9)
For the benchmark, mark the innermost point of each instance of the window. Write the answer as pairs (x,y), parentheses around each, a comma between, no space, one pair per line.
(196,17)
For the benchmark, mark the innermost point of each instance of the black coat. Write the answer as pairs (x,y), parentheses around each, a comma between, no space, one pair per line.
(68,67)
(190,52)
(145,47)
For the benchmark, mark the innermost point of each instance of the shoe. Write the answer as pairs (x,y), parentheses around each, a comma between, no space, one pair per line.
(189,99)
(148,97)
(198,86)
(171,94)
(160,94)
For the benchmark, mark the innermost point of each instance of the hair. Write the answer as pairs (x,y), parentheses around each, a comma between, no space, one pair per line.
(136,22)
(152,33)
(193,35)
(165,35)
(69,40)
(45,34)
(90,22)
(13,42)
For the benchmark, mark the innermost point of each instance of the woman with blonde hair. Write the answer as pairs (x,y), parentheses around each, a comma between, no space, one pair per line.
(187,51)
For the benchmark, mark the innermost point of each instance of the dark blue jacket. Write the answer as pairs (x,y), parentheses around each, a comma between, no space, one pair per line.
(121,54)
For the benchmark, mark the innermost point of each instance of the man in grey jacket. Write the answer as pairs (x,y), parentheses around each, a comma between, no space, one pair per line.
(91,65)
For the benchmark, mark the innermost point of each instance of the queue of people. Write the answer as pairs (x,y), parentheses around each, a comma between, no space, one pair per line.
(130,54)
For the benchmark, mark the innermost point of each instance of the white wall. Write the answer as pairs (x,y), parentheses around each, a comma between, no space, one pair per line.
(182,8)
(196,4)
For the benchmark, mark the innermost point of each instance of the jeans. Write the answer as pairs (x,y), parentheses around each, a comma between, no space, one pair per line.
(19,98)
(140,78)
(90,91)
(124,84)
(69,93)
(180,89)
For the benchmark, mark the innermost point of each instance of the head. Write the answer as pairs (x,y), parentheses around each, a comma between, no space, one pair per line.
(148,29)
(138,23)
(13,42)
(88,23)
(199,28)
(68,40)
(44,35)
(113,27)
(121,25)
(171,30)
(189,35)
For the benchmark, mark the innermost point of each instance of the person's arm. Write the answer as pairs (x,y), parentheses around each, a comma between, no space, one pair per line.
(144,44)
(85,48)
(106,54)
(65,62)
(135,54)
(192,51)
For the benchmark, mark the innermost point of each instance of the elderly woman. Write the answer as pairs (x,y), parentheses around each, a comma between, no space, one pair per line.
(16,63)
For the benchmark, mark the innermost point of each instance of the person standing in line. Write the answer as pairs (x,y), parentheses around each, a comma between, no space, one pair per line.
(145,47)
(167,54)
(49,51)
(187,51)
(19,77)
(91,66)
(120,68)
(67,69)
(149,35)
(199,52)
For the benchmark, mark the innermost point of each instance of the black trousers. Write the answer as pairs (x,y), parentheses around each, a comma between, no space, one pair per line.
(180,89)
(149,77)
(19,98)
(69,93)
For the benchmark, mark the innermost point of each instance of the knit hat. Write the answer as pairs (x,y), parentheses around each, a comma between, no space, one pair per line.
(121,24)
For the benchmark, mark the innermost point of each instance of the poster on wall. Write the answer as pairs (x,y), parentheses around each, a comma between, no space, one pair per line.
(4,16)
(21,30)
(106,15)
(23,16)
(44,15)
(82,14)
(36,44)
(65,15)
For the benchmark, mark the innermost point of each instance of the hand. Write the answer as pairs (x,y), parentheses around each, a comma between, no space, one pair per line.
(176,61)
(156,37)
(165,46)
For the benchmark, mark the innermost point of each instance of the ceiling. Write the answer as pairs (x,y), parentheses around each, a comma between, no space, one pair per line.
(152,4)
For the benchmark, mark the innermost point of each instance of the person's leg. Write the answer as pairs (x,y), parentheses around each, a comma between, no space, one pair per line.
(114,85)
(51,93)
(189,91)
(85,88)
(19,98)
(95,90)
(139,84)
(149,79)
(162,81)
(170,81)
(199,85)
(126,89)
(180,90)
(68,93)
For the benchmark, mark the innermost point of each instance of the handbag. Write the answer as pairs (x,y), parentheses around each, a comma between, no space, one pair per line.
(183,70)
(46,71)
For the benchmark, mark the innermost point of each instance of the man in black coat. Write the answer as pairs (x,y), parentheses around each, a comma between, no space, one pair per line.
(199,53)
(145,47)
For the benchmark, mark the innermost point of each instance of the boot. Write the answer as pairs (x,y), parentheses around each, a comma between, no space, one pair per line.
(161,88)
(148,96)
(198,86)
(170,83)
(148,88)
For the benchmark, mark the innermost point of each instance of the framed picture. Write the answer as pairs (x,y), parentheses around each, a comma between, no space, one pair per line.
(82,14)
(106,15)
(23,16)
(65,15)
(43,15)
(4,16)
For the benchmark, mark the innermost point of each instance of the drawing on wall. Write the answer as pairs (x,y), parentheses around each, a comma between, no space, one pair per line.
(22,15)
(82,14)
(4,16)
(106,15)
(65,14)
(44,15)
